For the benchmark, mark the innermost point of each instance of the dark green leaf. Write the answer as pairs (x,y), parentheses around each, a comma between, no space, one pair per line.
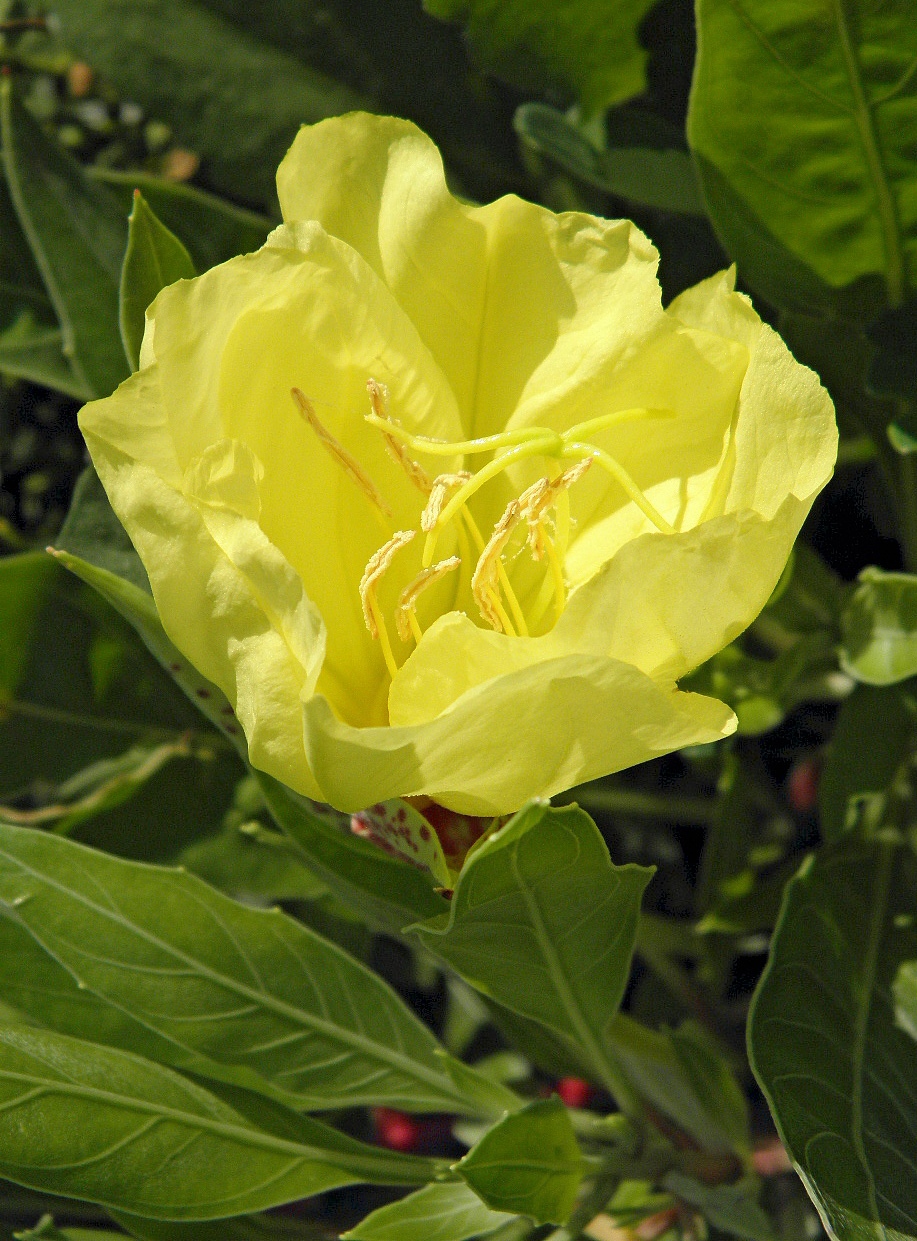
(587,47)
(77,234)
(78,693)
(684,1079)
(94,1123)
(653,178)
(827,173)
(212,229)
(252,863)
(93,532)
(435,1213)
(249,996)
(154,259)
(528,1164)
(871,742)
(36,353)
(543,922)
(244,1228)
(880,628)
(385,890)
(837,1071)
(729,1208)
(893,368)
(234,101)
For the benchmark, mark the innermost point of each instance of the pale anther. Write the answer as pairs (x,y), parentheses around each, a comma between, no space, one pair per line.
(376,567)
(339,452)
(405,612)
(485,581)
(443,486)
(378,398)
(538,499)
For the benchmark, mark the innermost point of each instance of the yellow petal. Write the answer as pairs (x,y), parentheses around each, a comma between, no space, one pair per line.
(529,733)
(227,598)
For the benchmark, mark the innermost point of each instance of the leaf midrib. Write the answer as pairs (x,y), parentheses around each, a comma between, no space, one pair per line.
(43,1086)
(372,1050)
(862,115)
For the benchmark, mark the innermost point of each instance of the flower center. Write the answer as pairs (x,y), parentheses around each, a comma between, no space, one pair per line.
(541,512)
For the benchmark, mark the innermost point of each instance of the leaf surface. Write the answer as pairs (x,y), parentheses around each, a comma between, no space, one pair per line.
(450,1212)
(837,1071)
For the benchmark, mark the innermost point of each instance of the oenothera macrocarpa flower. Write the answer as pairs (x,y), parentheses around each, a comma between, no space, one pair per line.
(441,497)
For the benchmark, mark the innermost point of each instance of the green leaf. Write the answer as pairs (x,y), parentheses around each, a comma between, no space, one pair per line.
(212,229)
(684,1079)
(829,175)
(879,628)
(837,1071)
(653,178)
(528,1164)
(92,532)
(154,259)
(36,353)
(243,1228)
(435,1213)
(77,234)
(871,742)
(586,47)
(91,1122)
(399,826)
(46,1230)
(905,992)
(542,921)
(253,864)
(727,1207)
(78,695)
(251,997)
(234,101)
(383,889)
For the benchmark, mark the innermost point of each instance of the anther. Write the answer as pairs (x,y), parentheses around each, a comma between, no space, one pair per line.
(406,611)
(378,399)
(443,485)
(339,452)
(538,499)
(485,581)
(376,567)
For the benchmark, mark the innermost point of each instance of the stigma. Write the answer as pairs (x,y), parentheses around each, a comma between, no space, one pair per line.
(537,520)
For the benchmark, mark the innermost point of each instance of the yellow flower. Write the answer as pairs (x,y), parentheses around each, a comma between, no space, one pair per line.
(441,497)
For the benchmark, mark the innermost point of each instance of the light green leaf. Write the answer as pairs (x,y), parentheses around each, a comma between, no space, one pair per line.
(653,178)
(434,1213)
(728,1208)
(827,179)
(587,47)
(880,628)
(77,234)
(528,1164)
(154,259)
(384,890)
(252,863)
(837,1071)
(871,742)
(545,924)
(234,101)
(251,997)
(46,1230)
(90,1122)
(213,229)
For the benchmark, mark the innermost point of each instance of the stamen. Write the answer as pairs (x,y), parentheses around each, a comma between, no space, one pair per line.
(542,496)
(518,614)
(378,397)
(618,472)
(406,611)
(440,488)
(485,581)
(340,453)
(377,565)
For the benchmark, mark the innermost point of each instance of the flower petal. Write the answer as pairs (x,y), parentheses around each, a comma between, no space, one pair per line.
(529,733)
